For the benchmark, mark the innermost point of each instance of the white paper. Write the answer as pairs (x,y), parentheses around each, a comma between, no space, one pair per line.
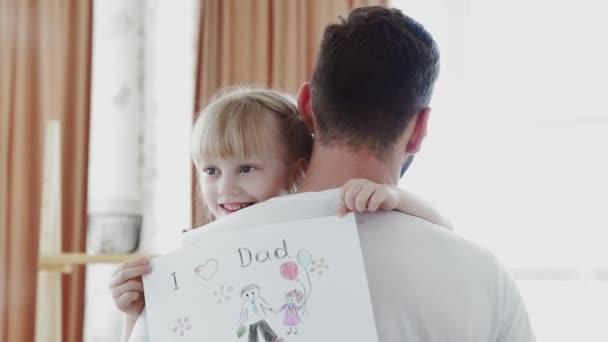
(306,276)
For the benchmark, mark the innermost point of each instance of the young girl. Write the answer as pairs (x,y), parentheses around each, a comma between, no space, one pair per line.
(292,307)
(249,145)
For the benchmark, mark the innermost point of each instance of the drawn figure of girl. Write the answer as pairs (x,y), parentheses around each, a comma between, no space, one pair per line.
(293,304)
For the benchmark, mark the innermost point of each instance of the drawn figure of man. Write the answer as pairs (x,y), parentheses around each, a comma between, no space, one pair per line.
(254,314)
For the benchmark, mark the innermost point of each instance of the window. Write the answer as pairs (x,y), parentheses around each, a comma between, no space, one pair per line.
(517,155)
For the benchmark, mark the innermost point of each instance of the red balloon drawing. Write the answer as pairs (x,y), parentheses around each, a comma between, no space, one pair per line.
(289,270)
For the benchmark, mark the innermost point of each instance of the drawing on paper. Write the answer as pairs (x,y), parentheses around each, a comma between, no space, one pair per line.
(255,308)
(253,314)
(207,270)
(293,304)
(268,283)
(290,271)
(182,326)
(223,294)
(319,267)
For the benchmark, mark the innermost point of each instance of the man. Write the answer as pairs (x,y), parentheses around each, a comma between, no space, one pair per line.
(253,313)
(368,107)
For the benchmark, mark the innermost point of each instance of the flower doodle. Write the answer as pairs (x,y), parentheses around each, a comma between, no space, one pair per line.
(319,266)
(182,326)
(223,294)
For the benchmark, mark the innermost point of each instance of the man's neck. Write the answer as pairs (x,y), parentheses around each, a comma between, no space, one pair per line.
(331,167)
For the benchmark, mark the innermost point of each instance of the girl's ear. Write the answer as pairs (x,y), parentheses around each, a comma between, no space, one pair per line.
(298,174)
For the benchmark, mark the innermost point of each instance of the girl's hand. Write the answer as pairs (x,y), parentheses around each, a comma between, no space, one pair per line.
(363,195)
(126,286)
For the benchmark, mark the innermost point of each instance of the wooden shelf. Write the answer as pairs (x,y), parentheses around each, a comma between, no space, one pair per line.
(64,262)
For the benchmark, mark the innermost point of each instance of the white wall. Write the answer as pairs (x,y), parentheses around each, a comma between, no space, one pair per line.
(170,71)
(115,150)
(142,100)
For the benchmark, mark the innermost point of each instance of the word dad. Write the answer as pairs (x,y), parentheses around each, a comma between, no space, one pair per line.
(247,256)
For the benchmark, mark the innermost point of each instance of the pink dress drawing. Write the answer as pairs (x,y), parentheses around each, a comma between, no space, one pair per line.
(291,314)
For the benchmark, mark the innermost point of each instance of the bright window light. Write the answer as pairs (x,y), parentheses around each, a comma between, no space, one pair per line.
(521,167)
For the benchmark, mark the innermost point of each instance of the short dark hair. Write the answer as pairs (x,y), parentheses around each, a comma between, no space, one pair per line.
(374,71)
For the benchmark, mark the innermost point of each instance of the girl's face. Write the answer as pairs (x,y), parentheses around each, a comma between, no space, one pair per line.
(290,299)
(234,183)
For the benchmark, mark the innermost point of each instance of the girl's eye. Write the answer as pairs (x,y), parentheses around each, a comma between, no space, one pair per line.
(247,168)
(211,171)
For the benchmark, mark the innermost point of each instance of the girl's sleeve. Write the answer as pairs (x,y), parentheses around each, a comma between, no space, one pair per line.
(140,329)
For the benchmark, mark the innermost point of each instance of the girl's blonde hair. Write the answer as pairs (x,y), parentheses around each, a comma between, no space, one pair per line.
(238,121)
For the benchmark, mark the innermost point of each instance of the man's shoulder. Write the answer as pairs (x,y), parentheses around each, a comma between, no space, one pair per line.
(286,208)
(410,235)
(279,209)
(433,273)
(397,241)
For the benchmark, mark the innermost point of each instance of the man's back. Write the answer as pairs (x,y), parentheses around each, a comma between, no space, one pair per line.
(426,283)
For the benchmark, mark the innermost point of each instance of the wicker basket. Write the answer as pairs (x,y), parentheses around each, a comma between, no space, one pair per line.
(113,233)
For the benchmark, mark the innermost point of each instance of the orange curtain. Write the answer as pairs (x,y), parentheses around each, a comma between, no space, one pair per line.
(45,56)
(20,167)
(266,43)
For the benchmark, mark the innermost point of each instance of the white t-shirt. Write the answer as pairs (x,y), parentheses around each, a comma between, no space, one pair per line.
(426,283)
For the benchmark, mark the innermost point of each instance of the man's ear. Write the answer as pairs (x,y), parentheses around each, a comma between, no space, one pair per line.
(420,123)
(305,107)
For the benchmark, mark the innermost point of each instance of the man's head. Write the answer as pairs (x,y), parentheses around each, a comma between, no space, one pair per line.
(374,74)
(250,292)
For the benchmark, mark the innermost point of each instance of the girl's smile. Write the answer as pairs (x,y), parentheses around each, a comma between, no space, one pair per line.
(234,206)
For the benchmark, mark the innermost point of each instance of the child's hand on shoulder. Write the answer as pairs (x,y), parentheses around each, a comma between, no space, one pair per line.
(364,195)
(126,285)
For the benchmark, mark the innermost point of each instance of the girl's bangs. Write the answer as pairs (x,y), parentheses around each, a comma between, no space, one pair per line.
(240,132)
